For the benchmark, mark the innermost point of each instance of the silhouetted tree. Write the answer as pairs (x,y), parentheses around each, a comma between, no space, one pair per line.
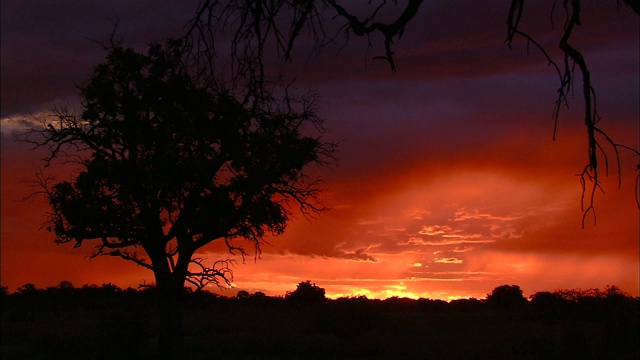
(506,297)
(65,284)
(110,288)
(258,295)
(306,292)
(27,289)
(466,305)
(544,299)
(168,162)
(243,294)
(548,306)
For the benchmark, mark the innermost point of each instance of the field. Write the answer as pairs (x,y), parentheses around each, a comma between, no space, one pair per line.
(122,325)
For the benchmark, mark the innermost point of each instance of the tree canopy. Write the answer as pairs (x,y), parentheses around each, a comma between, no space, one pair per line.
(168,165)
(306,292)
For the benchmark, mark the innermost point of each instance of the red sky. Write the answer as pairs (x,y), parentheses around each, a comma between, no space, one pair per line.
(448,185)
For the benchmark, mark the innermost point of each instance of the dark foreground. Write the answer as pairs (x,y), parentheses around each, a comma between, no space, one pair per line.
(108,324)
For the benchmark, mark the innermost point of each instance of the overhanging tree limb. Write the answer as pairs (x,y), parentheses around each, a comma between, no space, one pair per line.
(573,58)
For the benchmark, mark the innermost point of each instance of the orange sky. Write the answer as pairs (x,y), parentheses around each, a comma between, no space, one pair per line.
(448,185)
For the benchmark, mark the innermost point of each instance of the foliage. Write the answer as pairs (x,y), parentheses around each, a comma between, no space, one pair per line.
(306,292)
(27,289)
(168,165)
(107,322)
(506,296)
(244,295)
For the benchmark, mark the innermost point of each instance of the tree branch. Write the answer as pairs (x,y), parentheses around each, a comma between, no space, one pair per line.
(219,273)
(572,58)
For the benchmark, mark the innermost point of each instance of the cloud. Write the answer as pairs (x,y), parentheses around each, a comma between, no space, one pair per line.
(421,242)
(450,260)
(14,125)
(376,221)
(19,123)
(59,57)
(418,214)
(358,255)
(399,229)
(463,236)
(463,214)
(434,230)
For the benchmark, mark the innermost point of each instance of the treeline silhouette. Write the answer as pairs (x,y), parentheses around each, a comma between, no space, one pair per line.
(107,322)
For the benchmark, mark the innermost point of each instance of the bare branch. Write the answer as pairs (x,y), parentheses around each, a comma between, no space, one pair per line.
(129,256)
(574,58)
(388,30)
(218,273)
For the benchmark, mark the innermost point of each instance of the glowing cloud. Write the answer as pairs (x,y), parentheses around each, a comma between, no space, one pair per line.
(421,242)
(463,214)
(450,260)
(434,230)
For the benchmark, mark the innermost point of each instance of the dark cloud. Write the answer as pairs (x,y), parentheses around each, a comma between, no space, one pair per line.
(358,255)
(49,47)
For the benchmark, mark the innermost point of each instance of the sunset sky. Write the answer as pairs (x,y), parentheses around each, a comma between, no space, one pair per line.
(449,182)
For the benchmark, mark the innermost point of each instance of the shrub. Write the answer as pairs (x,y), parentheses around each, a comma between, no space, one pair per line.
(506,297)
(306,292)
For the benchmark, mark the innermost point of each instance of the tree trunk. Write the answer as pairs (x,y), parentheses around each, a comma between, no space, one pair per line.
(171,296)
(171,319)
(171,331)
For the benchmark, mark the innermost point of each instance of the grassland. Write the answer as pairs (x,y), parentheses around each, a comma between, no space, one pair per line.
(116,324)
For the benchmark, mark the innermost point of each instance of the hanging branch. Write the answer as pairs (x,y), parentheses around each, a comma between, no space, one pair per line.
(254,24)
(573,59)
(388,30)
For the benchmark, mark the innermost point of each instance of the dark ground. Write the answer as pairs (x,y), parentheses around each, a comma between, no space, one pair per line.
(121,325)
